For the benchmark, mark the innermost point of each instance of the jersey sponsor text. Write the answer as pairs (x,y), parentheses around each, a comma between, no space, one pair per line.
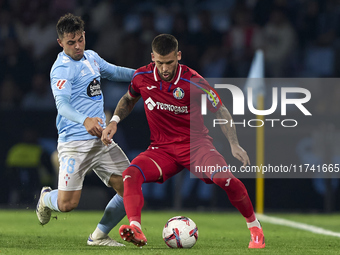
(166,107)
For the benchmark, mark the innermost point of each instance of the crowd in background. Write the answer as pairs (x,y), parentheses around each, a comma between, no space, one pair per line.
(300,38)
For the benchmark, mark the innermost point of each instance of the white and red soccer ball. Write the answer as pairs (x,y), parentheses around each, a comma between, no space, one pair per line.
(180,232)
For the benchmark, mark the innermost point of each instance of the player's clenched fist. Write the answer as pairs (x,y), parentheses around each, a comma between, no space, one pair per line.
(92,126)
(108,133)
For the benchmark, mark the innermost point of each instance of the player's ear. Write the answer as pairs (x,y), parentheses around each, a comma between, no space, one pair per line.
(179,55)
(60,43)
(152,57)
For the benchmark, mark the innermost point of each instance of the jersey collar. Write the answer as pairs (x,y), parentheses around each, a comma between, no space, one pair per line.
(177,76)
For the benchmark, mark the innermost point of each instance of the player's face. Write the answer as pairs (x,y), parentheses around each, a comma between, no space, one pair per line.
(73,44)
(166,65)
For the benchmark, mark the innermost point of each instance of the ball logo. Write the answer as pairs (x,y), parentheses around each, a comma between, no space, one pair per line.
(178,93)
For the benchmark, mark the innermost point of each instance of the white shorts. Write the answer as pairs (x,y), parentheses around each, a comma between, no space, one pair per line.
(76,158)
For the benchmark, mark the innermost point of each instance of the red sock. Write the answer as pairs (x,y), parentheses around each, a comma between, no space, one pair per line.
(133,196)
(238,196)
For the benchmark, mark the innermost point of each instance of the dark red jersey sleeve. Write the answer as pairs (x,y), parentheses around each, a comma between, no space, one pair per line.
(133,90)
(214,101)
(133,87)
(201,86)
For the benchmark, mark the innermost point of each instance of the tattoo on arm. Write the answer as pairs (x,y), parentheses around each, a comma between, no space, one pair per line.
(228,130)
(125,106)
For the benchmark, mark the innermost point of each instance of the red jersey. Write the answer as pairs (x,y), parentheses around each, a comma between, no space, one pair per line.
(169,106)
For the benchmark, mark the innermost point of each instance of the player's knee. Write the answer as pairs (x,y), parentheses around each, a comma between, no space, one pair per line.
(133,180)
(230,185)
(132,174)
(116,182)
(67,206)
(120,190)
(222,182)
(223,179)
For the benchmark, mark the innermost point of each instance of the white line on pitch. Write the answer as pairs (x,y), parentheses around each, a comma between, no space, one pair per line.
(298,225)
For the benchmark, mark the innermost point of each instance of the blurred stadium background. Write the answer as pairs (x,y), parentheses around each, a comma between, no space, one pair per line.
(218,38)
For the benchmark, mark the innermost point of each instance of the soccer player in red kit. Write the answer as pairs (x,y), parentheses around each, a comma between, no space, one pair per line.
(165,86)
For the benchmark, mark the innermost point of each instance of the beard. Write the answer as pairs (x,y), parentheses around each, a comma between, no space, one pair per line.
(168,77)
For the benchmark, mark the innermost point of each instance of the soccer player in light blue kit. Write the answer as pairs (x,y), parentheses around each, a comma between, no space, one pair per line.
(75,81)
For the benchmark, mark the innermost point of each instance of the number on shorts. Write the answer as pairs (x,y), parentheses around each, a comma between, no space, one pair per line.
(69,166)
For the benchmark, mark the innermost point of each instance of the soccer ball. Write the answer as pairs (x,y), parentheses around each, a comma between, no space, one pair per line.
(180,232)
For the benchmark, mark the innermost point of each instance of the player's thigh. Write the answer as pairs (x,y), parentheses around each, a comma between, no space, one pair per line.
(156,165)
(75,159)
(206,162)
(110,164)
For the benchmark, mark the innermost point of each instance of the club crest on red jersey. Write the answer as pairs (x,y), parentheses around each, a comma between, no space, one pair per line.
(178,93)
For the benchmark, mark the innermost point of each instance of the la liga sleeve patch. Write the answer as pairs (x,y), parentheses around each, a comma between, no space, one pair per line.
(60,84)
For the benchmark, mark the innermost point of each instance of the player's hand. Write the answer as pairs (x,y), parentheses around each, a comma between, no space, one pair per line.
(108,133)
(239,153)
(92,126)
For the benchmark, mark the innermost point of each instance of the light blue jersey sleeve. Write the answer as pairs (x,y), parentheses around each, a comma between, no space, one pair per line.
(65,109)
(113,72)
(61,83)
(62,77)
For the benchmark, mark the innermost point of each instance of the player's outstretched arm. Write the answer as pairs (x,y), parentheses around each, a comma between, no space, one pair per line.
(125,105)
(123,109)
(230,133)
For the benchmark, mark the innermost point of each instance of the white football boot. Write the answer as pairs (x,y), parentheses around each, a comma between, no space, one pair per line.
(105,241)
(43,212)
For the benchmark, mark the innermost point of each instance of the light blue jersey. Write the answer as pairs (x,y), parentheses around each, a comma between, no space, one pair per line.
(76,89)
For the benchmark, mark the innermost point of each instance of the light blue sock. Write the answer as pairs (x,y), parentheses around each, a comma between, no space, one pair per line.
(113,214)
(51,200)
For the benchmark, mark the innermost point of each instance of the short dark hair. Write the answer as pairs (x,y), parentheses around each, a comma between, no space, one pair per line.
(69,23)
(164,44)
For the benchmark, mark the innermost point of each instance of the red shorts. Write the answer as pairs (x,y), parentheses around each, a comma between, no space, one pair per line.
(173,158)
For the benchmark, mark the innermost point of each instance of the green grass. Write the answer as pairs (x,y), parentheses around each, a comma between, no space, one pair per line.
(219,233)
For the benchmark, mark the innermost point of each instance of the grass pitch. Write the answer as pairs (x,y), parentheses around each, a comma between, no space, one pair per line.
(219,233)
